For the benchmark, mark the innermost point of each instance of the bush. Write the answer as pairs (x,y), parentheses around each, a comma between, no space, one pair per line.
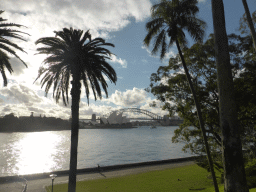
(217,164)
(250,171)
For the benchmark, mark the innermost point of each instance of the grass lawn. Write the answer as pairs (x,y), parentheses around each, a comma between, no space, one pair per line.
(187,178)
(221,188)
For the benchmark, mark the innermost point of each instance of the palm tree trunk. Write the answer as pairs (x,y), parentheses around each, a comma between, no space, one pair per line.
(199,113)
(234,173)
(250,23)
(75,92)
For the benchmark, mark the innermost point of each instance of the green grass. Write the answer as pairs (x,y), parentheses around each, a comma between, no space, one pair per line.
(191,177)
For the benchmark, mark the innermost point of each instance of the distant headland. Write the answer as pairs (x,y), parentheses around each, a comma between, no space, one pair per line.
(11,123)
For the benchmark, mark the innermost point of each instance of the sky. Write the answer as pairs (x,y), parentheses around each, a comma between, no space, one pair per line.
(121,22)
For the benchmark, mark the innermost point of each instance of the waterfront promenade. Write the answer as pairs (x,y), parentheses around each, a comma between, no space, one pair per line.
(37,182)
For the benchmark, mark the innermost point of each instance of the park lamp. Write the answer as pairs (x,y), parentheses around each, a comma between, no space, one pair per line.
(53,176)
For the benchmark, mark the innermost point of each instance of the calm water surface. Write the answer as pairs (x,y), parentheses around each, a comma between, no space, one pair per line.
(37,152)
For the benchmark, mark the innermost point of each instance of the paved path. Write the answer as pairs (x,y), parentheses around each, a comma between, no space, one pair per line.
(37,185)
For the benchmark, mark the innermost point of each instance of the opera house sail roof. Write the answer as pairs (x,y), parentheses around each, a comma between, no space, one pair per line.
(115,118)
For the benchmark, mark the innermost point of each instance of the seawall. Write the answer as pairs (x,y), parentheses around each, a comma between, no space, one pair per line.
(20,178)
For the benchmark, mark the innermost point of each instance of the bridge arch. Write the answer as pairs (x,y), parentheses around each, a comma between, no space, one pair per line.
(136,110)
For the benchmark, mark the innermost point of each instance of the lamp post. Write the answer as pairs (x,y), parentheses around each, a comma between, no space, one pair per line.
(53,176)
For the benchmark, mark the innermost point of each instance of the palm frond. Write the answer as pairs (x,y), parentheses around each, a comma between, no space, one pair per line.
(158,41)
(153,28)
(175,16)
(9,43)
(72,53)
(7,46)
(3,75)
(7,32)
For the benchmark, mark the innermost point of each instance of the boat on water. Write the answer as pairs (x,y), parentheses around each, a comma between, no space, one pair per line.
(153,127)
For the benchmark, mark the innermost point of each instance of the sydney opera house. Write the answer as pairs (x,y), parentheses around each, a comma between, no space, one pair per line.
(115,118)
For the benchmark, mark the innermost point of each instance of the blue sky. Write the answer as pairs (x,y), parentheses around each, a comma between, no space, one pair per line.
(120,22)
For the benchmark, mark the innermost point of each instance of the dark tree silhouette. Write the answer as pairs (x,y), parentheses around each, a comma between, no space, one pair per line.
(250,23)
(169,20)
(6,46)
(69,55)
(234,173)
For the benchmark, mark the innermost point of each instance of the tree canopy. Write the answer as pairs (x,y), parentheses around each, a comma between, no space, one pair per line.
(73,52)
(170,86)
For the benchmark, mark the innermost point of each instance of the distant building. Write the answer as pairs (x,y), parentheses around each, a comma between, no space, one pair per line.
(175,118)
(94,117)
(104,120)
(115,118)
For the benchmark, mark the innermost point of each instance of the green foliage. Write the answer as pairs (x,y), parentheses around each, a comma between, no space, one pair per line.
(243,23)
(170,86)
(169,20)
(250,168)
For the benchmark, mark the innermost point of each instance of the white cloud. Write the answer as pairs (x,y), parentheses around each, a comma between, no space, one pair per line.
(20,93)
(42,18)
(86,111)
(166,57)
(120,61)
(149,52)
(128,98)
(22,100)
(45,16)
(169,55)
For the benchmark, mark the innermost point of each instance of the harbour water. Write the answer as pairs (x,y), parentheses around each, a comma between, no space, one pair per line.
(36,152)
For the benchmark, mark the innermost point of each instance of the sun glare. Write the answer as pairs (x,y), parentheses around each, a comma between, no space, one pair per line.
(37,152)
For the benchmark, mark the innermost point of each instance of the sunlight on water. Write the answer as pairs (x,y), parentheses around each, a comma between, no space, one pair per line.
(37,152)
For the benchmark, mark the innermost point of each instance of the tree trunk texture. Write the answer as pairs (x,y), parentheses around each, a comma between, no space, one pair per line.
(199,114)
(75,92)
(234,173)
(250,23)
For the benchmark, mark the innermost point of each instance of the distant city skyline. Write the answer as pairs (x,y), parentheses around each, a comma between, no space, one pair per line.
(119,22)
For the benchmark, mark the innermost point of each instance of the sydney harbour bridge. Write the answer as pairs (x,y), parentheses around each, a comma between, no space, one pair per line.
(150,115)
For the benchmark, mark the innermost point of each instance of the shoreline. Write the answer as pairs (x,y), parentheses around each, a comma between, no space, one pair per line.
(35,176)
(69,129)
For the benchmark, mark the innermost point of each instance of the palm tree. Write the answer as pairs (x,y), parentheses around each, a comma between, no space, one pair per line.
(69,55)
(250,23)
(168,21)
(6,46)
(234,173)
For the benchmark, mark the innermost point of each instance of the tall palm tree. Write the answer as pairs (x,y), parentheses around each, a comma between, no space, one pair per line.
(234,173)
(250,23)
(69,55)
(169,20)
(6,46)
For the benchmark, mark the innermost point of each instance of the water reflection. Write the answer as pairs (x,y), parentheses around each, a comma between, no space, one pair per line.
(37,152)
(34,152)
